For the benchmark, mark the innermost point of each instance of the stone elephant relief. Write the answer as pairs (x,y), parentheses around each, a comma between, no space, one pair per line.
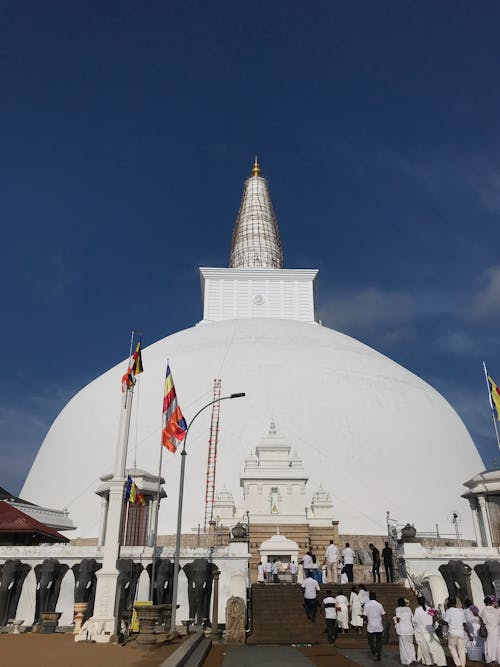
(12,575)
(200,574)
(49,575)
(164,578)
(489,575)
(456,574)
(128,578)
(86,582)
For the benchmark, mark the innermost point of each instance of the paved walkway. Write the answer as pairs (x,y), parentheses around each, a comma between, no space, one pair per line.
(265,656)
(289,656)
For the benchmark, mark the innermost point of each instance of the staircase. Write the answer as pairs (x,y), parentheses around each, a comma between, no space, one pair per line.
(278,615)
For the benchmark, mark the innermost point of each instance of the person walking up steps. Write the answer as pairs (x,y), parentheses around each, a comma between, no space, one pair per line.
(388,563)
(374,614)
(311,590)
(348,560)
(330,609)
(331,558)
(376,563)
(455,619)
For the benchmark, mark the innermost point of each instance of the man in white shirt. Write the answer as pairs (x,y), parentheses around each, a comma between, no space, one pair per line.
(331,558)
(458,630)
(269,572)
(374,614)
(307,564)
(260,573)
(311,589)
(348,560)
(293,571)
(330,609)
(275,570)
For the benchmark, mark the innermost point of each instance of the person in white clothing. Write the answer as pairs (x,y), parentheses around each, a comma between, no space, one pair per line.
(490,616)
(275,570)
(374,614)
(348,560)
(356,611)
(260,573)
(474,623)
(363,594)
(429,649)
(455,619)
(311,589)
(405,632)
(331,558)
(300,574)
(269,572)
(307,564)
(344,579)
(293,571)
(342,611)
(330,610)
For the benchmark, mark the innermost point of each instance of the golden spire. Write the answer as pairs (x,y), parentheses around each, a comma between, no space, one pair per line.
(256,168)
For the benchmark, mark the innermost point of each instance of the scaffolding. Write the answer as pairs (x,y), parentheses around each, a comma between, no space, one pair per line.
(256,239)
(212,456)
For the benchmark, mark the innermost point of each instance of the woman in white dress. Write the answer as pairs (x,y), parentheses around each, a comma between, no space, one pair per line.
(405,632)
(300,573)
(429,649)
(474,623)
(363,595)
(342,611)
(490,616)
(356,611)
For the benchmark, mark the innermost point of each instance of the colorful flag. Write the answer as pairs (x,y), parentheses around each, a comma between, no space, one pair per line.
(132,493)
(134,368)
(128,489)
(174,424)
(494,398)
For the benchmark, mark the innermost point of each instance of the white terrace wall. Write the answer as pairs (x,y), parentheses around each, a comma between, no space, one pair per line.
(231,560)
(422,563)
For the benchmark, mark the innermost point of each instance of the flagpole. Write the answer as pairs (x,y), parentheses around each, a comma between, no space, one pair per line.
(491,405)
(179,510)
(155,529)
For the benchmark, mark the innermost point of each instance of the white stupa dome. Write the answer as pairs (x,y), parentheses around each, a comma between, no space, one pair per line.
(371,433)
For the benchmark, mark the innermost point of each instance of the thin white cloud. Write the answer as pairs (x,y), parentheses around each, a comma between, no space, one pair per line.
(485,304)
(370,311)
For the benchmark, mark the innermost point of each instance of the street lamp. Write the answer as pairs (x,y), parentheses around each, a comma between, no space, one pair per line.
(179,511)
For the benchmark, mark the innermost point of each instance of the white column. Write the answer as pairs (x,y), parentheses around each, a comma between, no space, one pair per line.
(475,521)
(485,520)
(153,509)
(103,522)
(104,623)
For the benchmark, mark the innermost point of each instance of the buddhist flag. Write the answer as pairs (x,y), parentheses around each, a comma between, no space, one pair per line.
(494,398)
(174,424)
(128,489)
(134,368)
(139,498)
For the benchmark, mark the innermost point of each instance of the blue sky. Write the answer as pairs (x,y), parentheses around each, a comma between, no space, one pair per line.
(128,128)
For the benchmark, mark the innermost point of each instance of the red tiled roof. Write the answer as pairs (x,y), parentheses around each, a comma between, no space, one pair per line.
(13,520)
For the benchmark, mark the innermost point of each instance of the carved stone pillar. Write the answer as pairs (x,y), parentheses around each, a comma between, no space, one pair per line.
(485,520)
(104,519)
(215,606)
(475,521)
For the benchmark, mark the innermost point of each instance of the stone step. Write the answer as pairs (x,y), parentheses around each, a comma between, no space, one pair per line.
(278,613)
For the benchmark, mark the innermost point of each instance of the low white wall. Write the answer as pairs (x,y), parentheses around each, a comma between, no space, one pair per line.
(422,563)
(232,562)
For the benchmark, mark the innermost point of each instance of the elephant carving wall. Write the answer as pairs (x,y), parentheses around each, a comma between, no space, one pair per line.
(12,576)
(200,574)
(49,575)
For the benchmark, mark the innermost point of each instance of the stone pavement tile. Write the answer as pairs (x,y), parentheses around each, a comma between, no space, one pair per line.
(264,656)
(363,657)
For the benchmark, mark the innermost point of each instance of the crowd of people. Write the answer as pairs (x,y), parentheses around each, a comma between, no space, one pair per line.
(335,566)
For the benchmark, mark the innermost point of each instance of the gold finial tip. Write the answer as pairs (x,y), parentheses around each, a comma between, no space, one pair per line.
(256,168)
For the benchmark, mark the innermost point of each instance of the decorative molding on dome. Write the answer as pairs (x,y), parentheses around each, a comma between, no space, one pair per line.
(256,239)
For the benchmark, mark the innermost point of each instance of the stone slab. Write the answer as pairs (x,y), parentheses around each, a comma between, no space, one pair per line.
(264,656)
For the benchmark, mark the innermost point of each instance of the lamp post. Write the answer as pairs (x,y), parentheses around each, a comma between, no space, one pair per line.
(179,511)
